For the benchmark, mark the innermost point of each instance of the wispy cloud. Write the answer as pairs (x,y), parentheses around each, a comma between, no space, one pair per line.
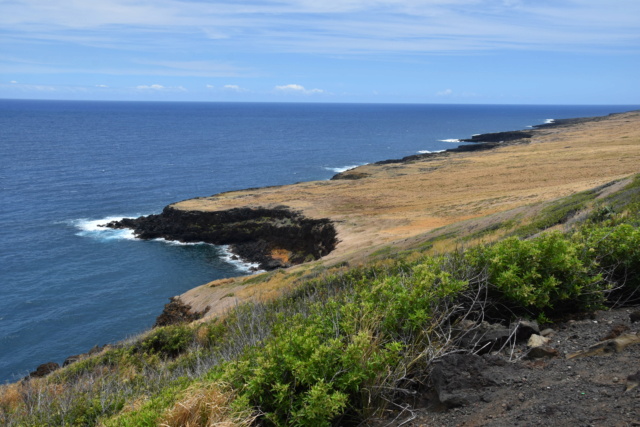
(296,88)
(335,25)
(234,88)
(161,88)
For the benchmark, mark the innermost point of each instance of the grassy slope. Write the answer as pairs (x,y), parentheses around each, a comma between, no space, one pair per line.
(347,337)
(404,204)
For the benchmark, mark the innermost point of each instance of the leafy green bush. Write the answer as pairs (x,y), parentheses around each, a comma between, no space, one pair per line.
(317,367)
(548,273)
(616,249)
(167,341)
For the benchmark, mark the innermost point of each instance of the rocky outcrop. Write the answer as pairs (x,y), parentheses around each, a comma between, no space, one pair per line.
(178,312)
(254,234)
(43,370)
(501,136)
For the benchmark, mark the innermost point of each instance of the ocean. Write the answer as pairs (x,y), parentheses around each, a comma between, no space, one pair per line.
(67,285)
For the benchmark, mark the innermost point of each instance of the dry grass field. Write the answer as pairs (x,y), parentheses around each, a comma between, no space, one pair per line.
(399,201)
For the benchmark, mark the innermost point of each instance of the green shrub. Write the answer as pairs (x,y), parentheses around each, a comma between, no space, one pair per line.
(616,249)
(167,341)
(333,361)
(547,274)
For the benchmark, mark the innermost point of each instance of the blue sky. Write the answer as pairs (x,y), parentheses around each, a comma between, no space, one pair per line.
(413,51)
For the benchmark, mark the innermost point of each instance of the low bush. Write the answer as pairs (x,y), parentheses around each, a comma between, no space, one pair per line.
(167,341)
(616,250)
(547,275)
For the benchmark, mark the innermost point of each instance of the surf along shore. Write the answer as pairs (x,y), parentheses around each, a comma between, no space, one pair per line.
(405,203)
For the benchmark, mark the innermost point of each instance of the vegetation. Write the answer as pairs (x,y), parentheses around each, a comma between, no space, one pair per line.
(348,341)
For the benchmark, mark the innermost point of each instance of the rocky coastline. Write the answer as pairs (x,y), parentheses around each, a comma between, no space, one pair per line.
(479,142)
(276,237)
(270,237)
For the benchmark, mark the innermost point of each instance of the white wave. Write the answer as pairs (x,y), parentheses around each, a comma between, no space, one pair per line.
(430,152)
(229,257)
(549,121)
(94,228)
(342,169)
(177,242)
(453,141)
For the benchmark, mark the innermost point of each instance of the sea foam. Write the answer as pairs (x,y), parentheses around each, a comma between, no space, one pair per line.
(95,228)
(452,140)
(430,152)
(229,257)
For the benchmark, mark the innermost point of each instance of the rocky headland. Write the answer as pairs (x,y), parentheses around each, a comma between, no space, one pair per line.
(272,238)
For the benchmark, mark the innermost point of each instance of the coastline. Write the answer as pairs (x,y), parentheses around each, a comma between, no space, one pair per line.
(362,230)
(392,202)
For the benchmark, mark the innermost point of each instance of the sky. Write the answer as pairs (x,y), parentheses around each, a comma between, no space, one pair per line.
(383,51)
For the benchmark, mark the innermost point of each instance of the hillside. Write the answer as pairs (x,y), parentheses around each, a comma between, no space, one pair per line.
(404,203)
(444,267)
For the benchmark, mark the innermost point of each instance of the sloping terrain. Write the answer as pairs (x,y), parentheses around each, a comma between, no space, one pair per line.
(405,203)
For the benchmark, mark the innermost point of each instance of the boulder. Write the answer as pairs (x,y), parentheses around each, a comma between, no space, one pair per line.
(44,370)
(461,379)
(483,337)
(525,328)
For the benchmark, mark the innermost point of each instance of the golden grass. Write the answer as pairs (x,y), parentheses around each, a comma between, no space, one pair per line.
(11,396)
(206,406)
(402,202)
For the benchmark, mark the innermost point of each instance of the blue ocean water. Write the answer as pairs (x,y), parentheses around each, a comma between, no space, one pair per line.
(67,285)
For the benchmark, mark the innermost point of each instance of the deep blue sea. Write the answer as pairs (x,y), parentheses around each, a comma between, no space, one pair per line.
(67,285)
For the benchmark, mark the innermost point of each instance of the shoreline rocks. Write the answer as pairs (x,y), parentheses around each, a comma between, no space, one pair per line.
(271,237)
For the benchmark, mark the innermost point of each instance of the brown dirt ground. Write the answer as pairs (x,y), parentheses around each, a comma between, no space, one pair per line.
(582,391)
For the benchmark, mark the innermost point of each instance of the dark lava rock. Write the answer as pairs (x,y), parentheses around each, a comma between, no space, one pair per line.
(177,312)
(484,337)
(351,175)
(501,136)
(459,379)
(44,370)
(253,233)
(72,359)
(635,317)
(524,329)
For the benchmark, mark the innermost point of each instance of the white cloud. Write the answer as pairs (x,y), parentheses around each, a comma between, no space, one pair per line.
(234,88)
(296,88)
(209,86)
(363,26)
(13,82)
(102,86)
(159,88)
(150,87)
(155,39)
